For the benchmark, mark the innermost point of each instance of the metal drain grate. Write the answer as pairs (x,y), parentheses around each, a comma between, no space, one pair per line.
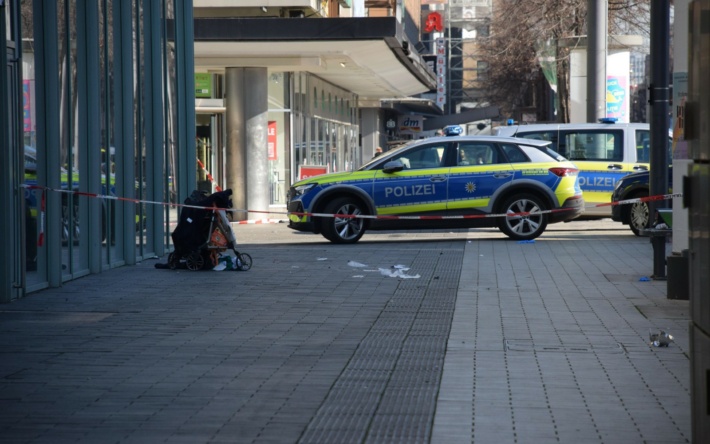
(528,345)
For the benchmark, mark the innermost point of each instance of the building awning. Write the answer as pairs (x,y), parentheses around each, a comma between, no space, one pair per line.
(422,106)
(368,56)
(468,116)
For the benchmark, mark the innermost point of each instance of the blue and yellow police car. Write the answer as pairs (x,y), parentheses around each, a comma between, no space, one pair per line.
(443,182)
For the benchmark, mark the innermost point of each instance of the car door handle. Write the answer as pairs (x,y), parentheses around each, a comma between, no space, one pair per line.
(614,166)
(640,168)
(502,175)
(437,179)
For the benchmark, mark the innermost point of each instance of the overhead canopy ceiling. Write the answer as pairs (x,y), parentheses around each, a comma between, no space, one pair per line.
(367,56)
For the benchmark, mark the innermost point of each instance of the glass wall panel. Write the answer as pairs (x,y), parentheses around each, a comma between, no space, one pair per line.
(139,124)
(34,254)
(73,207)
(110,182)
(170,160)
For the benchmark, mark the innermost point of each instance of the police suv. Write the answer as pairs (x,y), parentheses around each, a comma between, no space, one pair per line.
(604,152)
(517,185)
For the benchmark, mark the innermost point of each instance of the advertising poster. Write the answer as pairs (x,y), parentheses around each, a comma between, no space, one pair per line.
(617,86)
(616,98)
(271,140)
(680,94)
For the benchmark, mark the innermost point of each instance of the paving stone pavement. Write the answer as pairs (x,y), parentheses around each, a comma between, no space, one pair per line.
(483,340)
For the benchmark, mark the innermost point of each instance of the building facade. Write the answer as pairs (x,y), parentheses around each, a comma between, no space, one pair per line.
(299,88)
(97,113)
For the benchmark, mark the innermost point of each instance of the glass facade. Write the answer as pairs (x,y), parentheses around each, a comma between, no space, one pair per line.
(325,128)
(279,137)
(101,94)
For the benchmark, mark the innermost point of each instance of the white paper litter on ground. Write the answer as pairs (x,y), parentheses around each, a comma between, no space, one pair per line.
(398,273)
(356,264)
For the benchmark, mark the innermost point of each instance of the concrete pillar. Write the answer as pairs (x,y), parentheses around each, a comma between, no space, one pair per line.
(256,107)
(246,157)
(596,59)
(235,153)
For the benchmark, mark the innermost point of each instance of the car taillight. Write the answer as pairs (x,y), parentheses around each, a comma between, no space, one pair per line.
(562,172)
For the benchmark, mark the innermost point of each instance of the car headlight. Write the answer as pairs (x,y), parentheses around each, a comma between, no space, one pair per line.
(300,190)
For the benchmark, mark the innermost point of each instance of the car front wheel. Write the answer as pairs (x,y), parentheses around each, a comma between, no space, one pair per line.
(520,225)
(346,227)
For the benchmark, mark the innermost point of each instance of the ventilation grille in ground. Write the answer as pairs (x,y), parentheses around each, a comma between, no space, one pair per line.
(387,393)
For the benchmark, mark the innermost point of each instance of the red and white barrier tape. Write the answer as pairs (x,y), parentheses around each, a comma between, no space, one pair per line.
(344,216)
(209,176)
(639,200)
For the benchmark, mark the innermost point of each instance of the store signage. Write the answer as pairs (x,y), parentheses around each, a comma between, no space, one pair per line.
(306,171)
(411,124)
(434,22)
(203,85)
(441,72)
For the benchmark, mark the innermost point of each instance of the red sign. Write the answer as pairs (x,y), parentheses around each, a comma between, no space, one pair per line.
(434,22)
(306,171)
(271,140)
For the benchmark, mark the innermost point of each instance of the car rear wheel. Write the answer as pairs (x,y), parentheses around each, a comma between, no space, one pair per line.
(523,226)
(345,229)
(638,216)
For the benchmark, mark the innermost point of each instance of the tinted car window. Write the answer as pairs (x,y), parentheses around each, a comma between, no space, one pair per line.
(428,156)
(541,154)
(548,136)
(477,154)
(593,145)
(514,153)
(600,145)
(643,146)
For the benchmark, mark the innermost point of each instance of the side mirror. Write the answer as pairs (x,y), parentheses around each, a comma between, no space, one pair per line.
(393,166)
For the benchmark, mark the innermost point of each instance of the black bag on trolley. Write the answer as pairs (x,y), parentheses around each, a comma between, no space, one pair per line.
(192,231)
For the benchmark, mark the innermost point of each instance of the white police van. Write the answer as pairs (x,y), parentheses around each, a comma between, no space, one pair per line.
(604,153)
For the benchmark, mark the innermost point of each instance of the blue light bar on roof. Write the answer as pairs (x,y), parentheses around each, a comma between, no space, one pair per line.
(453,130)
(608,120)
